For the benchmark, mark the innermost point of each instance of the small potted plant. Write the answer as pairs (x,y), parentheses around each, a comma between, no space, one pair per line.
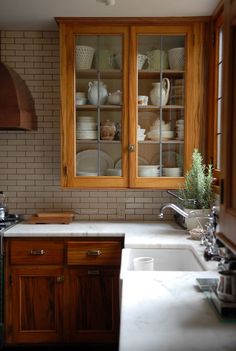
(197,194)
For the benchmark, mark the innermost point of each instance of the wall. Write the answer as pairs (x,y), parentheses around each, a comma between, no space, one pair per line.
(30,161)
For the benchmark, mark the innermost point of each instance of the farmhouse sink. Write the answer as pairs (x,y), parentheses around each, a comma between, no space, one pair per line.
(165,259)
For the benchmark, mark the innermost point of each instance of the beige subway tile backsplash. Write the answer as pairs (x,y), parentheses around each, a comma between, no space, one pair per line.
(30,161)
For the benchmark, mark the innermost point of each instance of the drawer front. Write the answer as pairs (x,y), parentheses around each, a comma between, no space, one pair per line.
(36,252)
(93,253)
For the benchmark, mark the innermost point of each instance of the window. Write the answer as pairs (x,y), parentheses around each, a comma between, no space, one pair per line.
(215,123)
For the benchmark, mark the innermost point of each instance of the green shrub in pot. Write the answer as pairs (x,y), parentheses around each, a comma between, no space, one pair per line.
(197,193)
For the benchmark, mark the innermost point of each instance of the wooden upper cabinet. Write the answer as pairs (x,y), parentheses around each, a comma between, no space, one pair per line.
(132,101)
(228,178)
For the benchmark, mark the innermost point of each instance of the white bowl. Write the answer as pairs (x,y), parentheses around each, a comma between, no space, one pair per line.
(171,171)
(81,101)
(148,170)
(113,172)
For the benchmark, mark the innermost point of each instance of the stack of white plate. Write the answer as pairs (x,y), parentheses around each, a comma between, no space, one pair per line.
(180,129)
(160,129)
(86,128)
(149,171)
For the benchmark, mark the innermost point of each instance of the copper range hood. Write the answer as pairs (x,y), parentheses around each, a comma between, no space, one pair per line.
(17,111)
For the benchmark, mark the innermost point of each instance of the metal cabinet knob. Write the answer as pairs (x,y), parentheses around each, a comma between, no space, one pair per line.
(131,148)
(94,252)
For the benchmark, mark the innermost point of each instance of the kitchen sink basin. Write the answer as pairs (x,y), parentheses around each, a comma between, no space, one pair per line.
(165,259)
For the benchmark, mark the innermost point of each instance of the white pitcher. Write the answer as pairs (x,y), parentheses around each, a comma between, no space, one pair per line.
(97,93)
(160,93)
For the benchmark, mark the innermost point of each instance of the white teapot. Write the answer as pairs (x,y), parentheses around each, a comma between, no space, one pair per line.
(160,93)
(97,93)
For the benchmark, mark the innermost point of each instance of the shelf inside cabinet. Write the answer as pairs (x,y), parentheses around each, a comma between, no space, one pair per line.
(145,74)
(92,141)
(102,107)
(93,74)
(173,141)
(155,107)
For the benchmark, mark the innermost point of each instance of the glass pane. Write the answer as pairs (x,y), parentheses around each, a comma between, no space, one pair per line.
(161,94)
(98,102)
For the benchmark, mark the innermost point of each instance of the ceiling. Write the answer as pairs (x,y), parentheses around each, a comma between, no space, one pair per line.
(39,14)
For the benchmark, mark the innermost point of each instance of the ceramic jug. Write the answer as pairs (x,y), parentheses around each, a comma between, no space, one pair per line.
(160,93)
(97,93)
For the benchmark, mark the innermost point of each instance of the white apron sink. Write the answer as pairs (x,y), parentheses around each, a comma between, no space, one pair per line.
(165,259)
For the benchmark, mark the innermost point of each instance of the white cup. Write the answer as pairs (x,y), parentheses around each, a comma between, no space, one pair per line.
(143,263)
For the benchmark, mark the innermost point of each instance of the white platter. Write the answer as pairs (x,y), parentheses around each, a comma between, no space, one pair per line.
(87,161)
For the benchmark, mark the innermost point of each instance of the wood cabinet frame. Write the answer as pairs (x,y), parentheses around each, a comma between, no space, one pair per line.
(37,281)
(195,29)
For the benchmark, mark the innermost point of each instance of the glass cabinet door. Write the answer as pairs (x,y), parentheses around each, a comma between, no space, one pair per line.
(161,95)
(96,127)
(98,101)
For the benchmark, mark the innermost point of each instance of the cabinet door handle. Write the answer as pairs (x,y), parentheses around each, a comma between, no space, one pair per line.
(39,252)
(94,253)
(131,148)
(60,279)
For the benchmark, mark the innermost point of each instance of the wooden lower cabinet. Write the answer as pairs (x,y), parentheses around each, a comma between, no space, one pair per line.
(93,309)
(56,300)
(34,305)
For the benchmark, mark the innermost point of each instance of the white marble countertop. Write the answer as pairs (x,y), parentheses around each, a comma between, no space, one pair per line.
(164,311)
(161,311)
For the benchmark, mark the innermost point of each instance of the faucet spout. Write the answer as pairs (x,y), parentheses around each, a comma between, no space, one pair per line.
(176,209)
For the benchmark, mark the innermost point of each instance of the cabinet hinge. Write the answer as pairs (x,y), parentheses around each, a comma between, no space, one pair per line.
(65,171)
(222,191)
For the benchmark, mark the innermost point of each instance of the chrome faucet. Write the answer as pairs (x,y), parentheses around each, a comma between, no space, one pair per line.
(176,209)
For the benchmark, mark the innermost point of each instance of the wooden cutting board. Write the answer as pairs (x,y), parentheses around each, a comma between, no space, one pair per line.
(51,218)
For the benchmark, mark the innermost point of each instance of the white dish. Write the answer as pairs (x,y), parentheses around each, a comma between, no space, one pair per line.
(149,170)
(87,134)
(113,172)
(141,161)
(89,126)
(172,172)
(153,135)
(86,118)
(81,101)
(87,161)
(87,174)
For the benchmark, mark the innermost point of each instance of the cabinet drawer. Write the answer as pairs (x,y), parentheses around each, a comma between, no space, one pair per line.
(93,253)
(36,251)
